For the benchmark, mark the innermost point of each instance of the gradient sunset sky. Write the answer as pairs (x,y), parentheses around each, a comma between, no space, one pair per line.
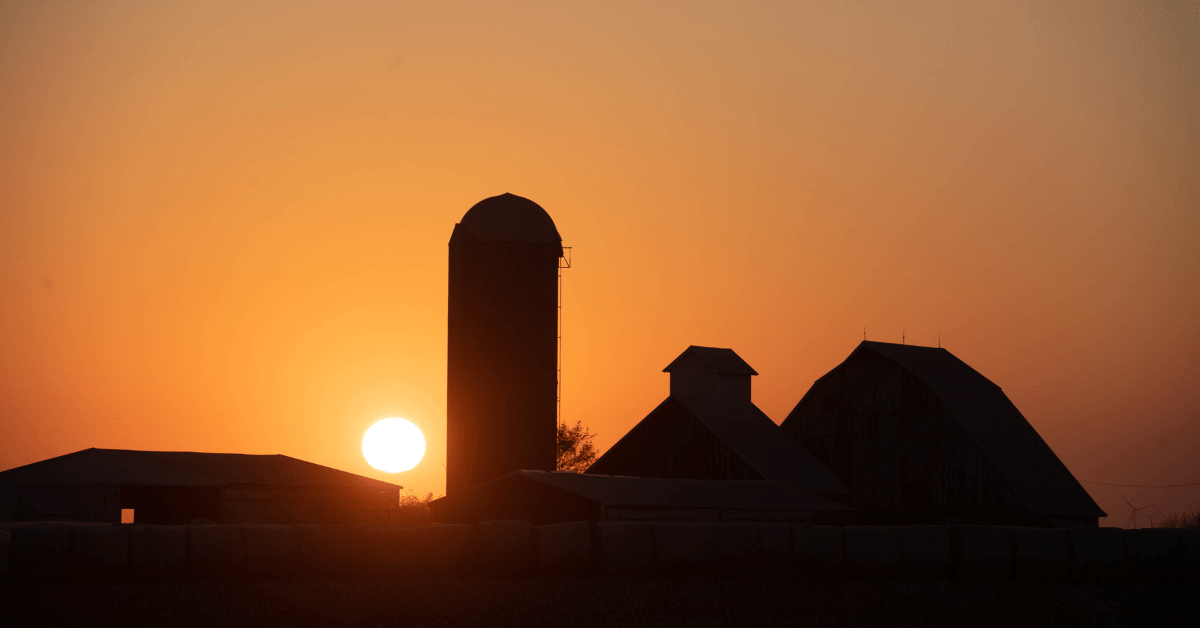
(224,225)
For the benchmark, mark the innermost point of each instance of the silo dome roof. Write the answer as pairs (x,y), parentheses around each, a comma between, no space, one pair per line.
(510,218)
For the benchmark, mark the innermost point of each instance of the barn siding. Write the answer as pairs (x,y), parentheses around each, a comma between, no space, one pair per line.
(896,446)
(307,504)
(671,443)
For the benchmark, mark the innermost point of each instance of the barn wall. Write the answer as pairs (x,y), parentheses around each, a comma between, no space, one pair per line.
(671,443)
(101,504)
(307,504)
(172,505)
(899,450)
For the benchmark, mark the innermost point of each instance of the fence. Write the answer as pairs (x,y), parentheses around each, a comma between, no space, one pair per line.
(46,553)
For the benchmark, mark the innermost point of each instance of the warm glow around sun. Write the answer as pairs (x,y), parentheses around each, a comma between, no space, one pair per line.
(393,445)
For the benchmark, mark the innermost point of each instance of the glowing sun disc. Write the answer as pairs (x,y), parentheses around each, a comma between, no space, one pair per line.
(393,445)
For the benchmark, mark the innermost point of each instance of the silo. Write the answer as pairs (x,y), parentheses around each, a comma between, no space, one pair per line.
(502,342)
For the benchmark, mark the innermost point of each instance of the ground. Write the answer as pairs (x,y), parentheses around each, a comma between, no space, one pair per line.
(563,602)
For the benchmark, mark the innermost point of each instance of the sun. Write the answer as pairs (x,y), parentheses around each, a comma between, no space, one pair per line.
(393,445)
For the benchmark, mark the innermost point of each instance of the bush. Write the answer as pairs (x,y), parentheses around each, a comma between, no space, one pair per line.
(415,509)
(575,450)
(1188,518)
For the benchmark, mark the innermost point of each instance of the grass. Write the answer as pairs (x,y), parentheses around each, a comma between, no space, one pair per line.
(599,602)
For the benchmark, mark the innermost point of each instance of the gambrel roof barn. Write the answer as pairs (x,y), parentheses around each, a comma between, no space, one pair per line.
(921,437)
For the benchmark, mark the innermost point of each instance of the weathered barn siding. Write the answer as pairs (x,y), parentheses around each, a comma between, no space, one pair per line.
(898,449)
(306,504)
(906,458)
(66,503)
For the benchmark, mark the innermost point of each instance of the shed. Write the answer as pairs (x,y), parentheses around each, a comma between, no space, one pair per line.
(171,487)
(708,428)
(544,497)
(921,437)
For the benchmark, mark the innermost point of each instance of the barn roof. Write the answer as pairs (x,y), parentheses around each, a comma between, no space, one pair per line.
(127,467)
(719,360)
(621,491)
(751,436)
(764,446)
(1033,471)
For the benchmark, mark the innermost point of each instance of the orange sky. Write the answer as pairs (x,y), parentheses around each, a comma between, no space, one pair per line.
(223,225)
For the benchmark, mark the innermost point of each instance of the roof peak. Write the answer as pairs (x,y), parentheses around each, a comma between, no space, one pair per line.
(931,364)
(900,344)
(720,360)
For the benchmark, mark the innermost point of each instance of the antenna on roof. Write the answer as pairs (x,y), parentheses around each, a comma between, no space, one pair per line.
(939,341)
(901,336)
(864,332)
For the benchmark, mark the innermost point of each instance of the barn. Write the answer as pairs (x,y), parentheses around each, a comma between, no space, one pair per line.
(170,487)
(542,497)
(708,428)
(920,437)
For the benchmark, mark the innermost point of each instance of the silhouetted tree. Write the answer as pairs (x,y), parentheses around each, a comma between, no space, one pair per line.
(575,450)
(415,509)
(1189,517)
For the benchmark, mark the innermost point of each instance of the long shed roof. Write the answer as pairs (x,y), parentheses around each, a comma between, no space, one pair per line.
(622,491)
(127,467)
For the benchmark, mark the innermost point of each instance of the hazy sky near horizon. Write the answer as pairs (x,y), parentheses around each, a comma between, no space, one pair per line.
(224,225)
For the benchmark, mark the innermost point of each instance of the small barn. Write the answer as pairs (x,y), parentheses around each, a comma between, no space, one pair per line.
(544,497)
(708,428)
(919,436)
(170,487)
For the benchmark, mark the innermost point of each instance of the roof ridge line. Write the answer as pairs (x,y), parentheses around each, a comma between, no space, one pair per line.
(747,460)
(109,452)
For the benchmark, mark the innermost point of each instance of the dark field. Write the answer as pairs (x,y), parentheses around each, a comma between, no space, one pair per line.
(562,602)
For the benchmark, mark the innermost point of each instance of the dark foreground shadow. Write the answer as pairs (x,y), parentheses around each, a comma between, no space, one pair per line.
(567,602)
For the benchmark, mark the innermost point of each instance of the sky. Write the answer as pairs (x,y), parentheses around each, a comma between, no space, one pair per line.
(224,225)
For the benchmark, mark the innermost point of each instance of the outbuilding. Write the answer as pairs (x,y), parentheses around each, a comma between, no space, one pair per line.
(708,428)
(171,487)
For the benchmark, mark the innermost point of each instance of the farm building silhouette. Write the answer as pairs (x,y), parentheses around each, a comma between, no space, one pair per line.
(708,428)
(170,487)
(502,342)
(921,437)
(502,398)
(901,434)
(895,434)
